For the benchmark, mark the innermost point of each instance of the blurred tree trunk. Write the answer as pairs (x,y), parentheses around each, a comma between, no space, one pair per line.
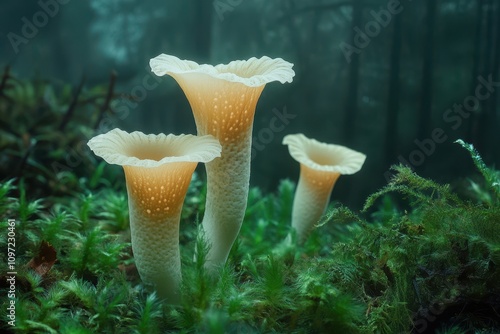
(310,91)
(290,8)
(472,132)
(351,105)
(485,119)
(203,30)
(484,112)
(492,102)
(305,52)
(427,84)
(393,98)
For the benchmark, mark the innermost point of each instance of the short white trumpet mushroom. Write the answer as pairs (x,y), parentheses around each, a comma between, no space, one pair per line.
(223,99)
(158,170)
(320,166)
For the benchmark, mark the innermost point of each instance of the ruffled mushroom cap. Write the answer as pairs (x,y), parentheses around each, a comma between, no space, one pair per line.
(253,72)
(158,170)
(223,99)
(146,160)
(320,166)
(324,157)
(140,150)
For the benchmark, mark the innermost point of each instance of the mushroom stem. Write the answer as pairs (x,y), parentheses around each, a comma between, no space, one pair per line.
(227,191)
(321,165)
(228,177)
(154,223)
(223,99)
(158,170)
(311,200)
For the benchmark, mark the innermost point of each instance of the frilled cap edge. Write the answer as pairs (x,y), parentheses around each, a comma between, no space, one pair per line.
(324,157)
(138,149)
(253,72)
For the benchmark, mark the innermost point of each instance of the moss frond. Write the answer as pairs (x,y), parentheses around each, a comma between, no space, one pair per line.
(490,175)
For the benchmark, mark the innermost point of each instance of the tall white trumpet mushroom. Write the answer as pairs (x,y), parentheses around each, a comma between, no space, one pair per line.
(158,170)
(320,166)
(223,99)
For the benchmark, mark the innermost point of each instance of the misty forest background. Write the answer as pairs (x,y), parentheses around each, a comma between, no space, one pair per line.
(395,89)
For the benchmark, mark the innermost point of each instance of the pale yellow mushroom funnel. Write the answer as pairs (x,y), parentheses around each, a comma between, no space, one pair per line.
(223,99)
(158,170)
(320,166)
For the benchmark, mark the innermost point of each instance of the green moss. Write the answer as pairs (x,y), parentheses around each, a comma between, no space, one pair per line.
(416,251)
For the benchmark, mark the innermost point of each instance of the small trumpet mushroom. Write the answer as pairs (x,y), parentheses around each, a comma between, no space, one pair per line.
(158,170)
(223,99)
(320,166)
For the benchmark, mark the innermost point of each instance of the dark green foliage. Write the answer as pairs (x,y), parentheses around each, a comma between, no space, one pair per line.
(44,129)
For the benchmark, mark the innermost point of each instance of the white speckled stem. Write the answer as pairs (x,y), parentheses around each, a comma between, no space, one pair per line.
(227,192)
(224,110)
(223,99)
(156,253)
(155,198)
(311,199)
